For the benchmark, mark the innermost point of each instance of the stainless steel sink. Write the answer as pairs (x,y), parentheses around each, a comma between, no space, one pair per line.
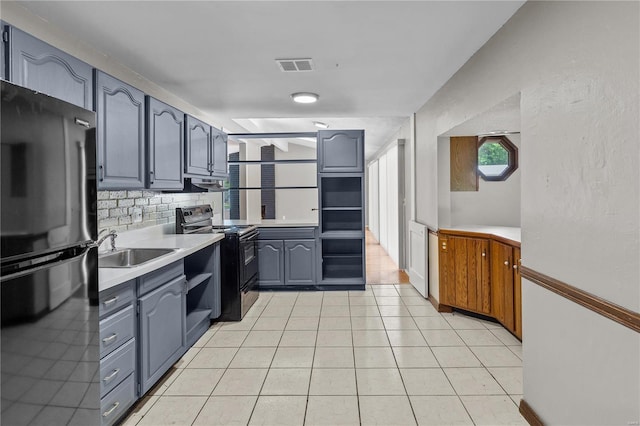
(128,258)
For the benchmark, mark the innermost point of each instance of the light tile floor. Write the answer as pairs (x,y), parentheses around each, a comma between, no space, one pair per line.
(382,356)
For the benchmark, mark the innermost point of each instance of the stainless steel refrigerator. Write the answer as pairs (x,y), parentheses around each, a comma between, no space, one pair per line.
(49,278)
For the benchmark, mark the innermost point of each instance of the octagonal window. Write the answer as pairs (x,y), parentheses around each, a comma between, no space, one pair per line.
(497,158)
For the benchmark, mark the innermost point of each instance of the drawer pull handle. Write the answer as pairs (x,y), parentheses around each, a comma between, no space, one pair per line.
(111,376)
(111,410)
(107,302)
(110,338)
(506,262)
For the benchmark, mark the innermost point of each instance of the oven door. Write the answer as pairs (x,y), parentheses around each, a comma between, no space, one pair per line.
(248,257)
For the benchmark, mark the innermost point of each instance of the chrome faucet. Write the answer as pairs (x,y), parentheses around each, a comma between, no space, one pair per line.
(111,234)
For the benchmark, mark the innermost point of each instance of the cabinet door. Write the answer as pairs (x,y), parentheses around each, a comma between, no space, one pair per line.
(165,135)
(502,284)
(340,151)
(40,66)
(4,51)
(517,293)
(270,262)
(299,262)
(464,273)
(219,160)
(197,154)
(121,134)
(162,330)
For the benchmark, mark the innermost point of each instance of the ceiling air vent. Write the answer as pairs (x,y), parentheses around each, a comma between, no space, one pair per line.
(295,65)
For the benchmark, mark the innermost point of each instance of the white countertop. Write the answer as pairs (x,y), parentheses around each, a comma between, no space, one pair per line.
(507,232)
(272,223)
(186,244)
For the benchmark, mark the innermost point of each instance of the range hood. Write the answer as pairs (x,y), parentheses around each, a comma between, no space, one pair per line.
(205,184)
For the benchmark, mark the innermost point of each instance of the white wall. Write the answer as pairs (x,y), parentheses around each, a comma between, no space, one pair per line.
(296,204)
(495,203)
(373,200)
(392,205)
(576,65)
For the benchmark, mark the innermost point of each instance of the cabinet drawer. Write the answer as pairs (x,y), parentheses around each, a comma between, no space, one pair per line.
(115,298)
(116,402)
(159,277)
(118,365)
(286,233)
(116,329)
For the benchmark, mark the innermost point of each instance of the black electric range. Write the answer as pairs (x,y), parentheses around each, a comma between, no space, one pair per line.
(238,258)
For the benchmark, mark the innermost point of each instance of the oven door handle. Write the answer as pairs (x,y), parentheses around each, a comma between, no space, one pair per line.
(250,236)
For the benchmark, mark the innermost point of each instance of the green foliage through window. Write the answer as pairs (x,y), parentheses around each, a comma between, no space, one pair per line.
(492,153)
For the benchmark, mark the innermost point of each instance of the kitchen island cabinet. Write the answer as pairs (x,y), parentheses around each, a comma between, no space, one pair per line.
(479,272)
(286,257)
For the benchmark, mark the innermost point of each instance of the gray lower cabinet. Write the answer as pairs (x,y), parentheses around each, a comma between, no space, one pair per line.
(165,145)
(299,261)
(162,330)
(120,127)
(271,262)
(117,347)
(42,67)
(341,151)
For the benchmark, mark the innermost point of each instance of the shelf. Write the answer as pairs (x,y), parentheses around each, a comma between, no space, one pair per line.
(341,191)
(341,220)
(197,280)
(342,256)
(261,162)
(195,317)
(341,235)
(342,267)
(330,209)
(272,187)
(272,135)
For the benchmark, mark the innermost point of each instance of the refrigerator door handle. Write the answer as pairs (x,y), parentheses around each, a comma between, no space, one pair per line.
(40,263)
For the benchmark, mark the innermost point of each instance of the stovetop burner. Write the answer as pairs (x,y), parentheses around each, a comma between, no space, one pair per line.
(197,220)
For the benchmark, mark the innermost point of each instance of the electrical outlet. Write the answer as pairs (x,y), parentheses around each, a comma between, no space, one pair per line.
(137,215)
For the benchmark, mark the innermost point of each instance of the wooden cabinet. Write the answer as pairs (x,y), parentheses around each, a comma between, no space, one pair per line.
(165,145)
(464,273)
(506,286)
(162,331)
(120,123)
(42,67)
(299,261)
(481,275)
(270,263)
(341,151)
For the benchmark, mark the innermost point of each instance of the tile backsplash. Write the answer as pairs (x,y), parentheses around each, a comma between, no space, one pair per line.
(125,210)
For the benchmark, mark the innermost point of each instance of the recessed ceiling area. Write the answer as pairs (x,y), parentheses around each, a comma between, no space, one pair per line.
(374,62)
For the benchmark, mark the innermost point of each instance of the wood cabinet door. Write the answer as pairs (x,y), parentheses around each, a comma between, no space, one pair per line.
(471,273)
(165,134)
(446,271)
(517,293)
(219,153)
(197,154)
(340,151)
(162,330)
(42,67)
(299,261)
(502,283)
(270,262)
(120,124)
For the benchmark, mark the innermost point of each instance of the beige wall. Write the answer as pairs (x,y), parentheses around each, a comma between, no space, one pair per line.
(576,65)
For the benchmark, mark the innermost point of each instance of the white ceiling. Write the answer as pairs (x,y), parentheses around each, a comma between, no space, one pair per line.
(376,62)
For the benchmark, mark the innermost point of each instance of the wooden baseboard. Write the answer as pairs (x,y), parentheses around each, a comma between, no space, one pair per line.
(529,415)
(607,309)
(439,307)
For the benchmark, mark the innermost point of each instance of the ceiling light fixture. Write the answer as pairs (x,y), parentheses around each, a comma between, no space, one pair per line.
(304,97)
(321,125)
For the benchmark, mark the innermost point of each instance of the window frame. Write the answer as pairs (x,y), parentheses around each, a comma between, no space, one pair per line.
(513,157)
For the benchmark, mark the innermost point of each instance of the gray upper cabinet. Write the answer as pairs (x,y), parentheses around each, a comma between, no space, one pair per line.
(219,160)
(300,260)
(197,153)
(162,330)
(271,262)
(340,151)
(165,137)
(120,123)
(40,66)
